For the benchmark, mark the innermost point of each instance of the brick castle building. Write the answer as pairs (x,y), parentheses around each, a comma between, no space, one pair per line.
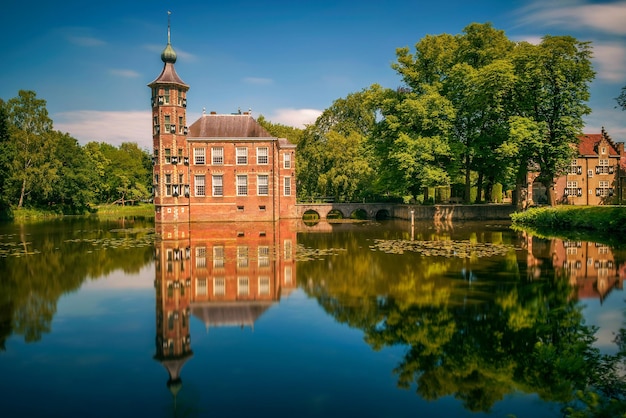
(221,167)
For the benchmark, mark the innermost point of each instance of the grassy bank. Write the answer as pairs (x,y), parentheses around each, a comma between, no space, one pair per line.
(591,218)
(142,209)
(102,211)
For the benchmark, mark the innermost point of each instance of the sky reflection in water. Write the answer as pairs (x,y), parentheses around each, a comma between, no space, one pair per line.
(333,337)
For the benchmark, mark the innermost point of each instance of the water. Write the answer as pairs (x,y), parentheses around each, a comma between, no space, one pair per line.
(115,318)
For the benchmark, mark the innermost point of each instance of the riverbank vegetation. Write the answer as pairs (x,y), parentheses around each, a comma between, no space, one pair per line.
(48,171)
(602,219)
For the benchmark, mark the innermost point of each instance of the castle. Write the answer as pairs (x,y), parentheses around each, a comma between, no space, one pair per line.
(221,167)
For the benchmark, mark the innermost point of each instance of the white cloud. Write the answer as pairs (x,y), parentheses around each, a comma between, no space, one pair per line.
(258,80)
(576,14)
(87,41)
(297,118)
(611,119)
(124,73)
(113,127)
(611,60)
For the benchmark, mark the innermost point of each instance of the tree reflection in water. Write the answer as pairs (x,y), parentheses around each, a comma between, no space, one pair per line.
(476,327)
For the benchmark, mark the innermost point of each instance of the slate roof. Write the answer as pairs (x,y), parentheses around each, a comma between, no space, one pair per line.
(227,127)
(169,76)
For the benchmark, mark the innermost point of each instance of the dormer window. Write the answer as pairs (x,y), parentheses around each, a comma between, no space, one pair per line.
(603,150)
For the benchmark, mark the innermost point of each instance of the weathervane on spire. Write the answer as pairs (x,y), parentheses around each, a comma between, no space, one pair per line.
(168,26)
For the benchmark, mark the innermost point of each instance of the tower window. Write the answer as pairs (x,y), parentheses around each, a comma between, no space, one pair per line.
(166,96)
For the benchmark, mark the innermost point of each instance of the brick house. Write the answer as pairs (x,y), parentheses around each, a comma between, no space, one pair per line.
(596,177)
(221,167)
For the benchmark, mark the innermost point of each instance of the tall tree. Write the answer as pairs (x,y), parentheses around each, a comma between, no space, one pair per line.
(6,156)
(550,97)
(334,158)
(470,70)
(279,130)
(30,129)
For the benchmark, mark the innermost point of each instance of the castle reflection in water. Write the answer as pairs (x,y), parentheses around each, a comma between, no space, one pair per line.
(229,274)
(221,273)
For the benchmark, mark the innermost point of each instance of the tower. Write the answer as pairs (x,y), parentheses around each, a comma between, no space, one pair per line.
(169,136)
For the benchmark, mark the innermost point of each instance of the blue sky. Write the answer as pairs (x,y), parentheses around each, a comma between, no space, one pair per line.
(286,60)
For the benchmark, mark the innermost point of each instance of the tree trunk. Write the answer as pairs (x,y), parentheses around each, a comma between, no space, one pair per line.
(479,188)
(21,202)
(468,187)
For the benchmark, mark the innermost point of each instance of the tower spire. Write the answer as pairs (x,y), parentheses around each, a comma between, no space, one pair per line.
(168,54)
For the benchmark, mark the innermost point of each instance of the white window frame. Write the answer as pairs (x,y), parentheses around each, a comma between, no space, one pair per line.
(241,155)
(243,286)
(217,185)
(263,185)
(217,155)
(263,256)
(219,286)
(264,285)
(286,160)
(242,185)
(262,155)
(200,185)
(201,287)
(199,156)
(287,186)
(201,257)
(218,257)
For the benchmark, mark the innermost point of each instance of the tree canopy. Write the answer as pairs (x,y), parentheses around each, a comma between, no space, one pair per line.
(76,177)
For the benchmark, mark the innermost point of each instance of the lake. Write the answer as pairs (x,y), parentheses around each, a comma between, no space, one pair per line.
(379,319)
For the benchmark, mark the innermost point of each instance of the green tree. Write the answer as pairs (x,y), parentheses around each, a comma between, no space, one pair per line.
(411,141)
(30,129)
(550,94)
(471,70)
(278,130)
(334,158)
(74,190)
(6,156)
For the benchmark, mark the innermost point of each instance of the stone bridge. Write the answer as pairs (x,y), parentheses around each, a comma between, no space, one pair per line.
(381,211)
(347,210)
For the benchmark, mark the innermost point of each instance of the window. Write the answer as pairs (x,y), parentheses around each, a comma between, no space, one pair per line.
(166,96)
(264,256)
(168,185)
(571,188)
(180,97)
(180,122)
(201,257)
(200,188)
(574,168)
(242,155)
(603,166)
(287,161)
(168,156)
(157,128)
(242,185)
(201,287)
(218,257)
(167,124)
(262,155)
(218,185)
(603,189)
(262,185)
(219,286)
(288,249)
(264,285)
(242,286)
(287,186)
(603,150)
(199,156)
(242,256)
(217,155)
(288,273)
